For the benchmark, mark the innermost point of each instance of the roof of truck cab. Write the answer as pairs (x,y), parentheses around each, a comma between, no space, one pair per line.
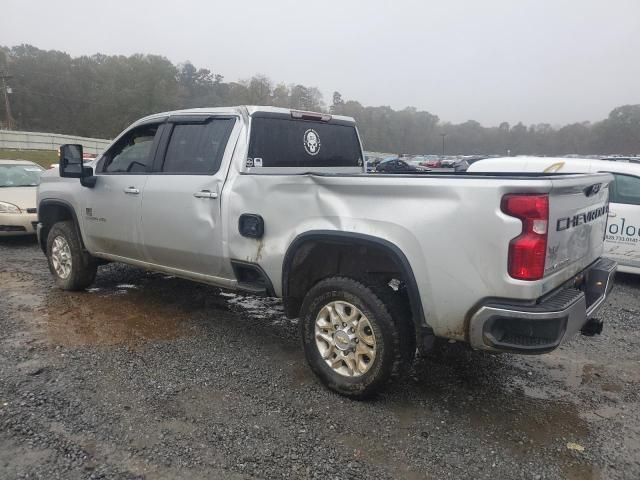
(552,165)
(238,110)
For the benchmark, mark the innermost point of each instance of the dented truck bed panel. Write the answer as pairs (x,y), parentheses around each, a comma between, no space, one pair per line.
(451,230)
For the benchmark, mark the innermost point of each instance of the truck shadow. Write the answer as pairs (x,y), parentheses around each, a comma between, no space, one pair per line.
(22,241)
(627,279)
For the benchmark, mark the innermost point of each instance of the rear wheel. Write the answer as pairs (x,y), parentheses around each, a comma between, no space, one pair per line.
(351,340)
(71,266)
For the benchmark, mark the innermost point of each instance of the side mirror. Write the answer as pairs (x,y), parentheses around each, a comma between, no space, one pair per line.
(71,165)
(71,161)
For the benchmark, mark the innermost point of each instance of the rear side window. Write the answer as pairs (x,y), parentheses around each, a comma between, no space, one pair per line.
(625,189)
(281,142)
(197,148)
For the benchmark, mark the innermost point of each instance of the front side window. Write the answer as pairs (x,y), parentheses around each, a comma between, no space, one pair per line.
(132,153)
(625,189)
(197,149)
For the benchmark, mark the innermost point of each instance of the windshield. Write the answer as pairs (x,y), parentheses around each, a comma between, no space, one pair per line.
(20,175)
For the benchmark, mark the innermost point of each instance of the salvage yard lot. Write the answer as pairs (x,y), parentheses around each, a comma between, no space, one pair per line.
(149,376)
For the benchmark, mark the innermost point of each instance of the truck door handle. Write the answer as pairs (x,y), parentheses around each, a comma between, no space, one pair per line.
(131,190)
(205,194)
(613,214)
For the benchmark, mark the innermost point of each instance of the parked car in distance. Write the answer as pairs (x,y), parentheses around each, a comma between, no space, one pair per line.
(18,186)
(433,163)
(397,165)
(449,162)
(461,165)
(622,240)
(458,164)
(471,159)
(372,162)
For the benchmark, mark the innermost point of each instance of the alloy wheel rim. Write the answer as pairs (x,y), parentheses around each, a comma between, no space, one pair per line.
(61,257)
(345,339)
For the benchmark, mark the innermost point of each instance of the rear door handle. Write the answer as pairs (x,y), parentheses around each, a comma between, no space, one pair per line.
(205,194)
(131,190)
(613,214)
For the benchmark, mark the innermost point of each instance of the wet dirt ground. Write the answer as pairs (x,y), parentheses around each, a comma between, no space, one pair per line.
(149,376)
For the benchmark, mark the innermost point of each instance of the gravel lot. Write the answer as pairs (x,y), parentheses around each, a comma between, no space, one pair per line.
(150,376)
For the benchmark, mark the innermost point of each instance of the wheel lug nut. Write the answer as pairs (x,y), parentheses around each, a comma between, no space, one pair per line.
(356,340)
(353,330)
(344,325)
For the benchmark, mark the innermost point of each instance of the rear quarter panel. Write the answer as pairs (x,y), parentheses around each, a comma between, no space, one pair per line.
(450,228)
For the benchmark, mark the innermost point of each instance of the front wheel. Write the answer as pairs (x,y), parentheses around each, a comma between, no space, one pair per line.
(71,266)
(350,338)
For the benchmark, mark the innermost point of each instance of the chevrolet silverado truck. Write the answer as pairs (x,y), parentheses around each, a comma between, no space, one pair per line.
(277,202)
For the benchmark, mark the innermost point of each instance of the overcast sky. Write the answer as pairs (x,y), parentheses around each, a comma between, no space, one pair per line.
(555,61)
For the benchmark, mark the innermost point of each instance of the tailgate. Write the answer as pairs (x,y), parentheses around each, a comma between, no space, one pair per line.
(578,207)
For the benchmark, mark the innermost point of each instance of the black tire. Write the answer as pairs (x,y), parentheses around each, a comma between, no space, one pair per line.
(397,303)
(83,267)
(392,342)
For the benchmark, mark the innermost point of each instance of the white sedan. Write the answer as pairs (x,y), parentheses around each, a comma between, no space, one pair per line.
(19,180)
(622,240)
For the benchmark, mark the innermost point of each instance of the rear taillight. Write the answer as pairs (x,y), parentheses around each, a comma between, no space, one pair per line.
(527,252)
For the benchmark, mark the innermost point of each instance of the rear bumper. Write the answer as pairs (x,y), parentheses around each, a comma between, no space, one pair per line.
(543,326)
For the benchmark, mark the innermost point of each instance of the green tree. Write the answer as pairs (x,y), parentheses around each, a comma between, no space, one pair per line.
(99,95)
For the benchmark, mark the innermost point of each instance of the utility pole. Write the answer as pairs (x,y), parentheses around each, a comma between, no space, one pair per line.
(7,104)
(443,135)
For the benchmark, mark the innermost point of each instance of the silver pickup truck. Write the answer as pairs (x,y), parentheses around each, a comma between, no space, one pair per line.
(276,202)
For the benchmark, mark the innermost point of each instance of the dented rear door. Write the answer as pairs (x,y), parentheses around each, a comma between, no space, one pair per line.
(181,202)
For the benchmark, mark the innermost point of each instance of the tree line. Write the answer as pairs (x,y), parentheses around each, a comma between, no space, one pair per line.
(99,95)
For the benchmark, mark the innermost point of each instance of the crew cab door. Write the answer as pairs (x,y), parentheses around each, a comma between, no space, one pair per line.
(622,241)
(112,208)
(181,205)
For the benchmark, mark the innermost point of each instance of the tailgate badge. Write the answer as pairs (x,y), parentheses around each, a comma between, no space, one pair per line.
(592,189)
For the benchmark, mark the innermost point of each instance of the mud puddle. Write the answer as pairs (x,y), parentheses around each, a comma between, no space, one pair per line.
(125,306)
(130,307)
(94,319)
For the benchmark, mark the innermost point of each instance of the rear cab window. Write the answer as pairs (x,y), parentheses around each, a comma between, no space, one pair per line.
(279,142)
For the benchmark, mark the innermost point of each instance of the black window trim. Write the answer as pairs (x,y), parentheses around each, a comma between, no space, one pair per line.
(173,121)
(161,123)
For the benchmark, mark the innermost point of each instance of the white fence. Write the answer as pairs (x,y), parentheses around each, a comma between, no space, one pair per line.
(15,140)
